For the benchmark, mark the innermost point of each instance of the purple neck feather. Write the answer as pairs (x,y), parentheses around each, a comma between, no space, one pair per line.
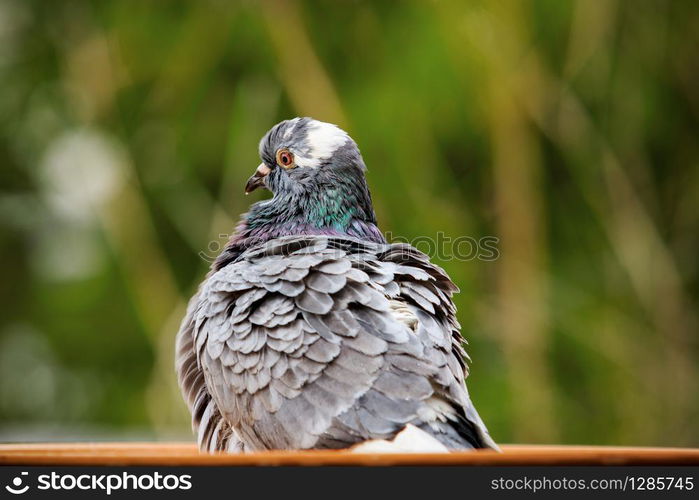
(246,237)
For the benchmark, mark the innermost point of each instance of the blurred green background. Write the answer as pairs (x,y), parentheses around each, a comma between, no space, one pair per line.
(568,129)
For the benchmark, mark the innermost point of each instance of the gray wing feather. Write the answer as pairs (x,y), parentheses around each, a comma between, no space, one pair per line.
(312,342)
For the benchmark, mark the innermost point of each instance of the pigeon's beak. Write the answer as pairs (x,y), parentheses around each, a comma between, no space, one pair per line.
(257,179)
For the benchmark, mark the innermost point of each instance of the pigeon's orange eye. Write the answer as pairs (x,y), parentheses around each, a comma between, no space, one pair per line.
(285,158)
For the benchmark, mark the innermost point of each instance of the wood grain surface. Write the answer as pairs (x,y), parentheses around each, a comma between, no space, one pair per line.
(187,454)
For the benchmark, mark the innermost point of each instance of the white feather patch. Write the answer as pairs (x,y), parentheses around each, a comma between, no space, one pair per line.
(290,130)
(323,140)
(409,440)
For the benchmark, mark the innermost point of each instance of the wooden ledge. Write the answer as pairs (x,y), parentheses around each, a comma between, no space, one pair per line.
(169,454)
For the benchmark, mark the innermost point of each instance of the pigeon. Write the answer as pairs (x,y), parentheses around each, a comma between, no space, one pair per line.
(311,331)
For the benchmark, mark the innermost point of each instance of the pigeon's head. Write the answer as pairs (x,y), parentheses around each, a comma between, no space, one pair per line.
(316,174)
(302,154)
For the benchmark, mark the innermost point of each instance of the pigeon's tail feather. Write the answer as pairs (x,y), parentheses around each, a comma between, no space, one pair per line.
(458,435)
(462,429)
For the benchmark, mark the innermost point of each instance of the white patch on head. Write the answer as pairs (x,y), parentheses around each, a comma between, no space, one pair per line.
(323,139)
(290,130)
